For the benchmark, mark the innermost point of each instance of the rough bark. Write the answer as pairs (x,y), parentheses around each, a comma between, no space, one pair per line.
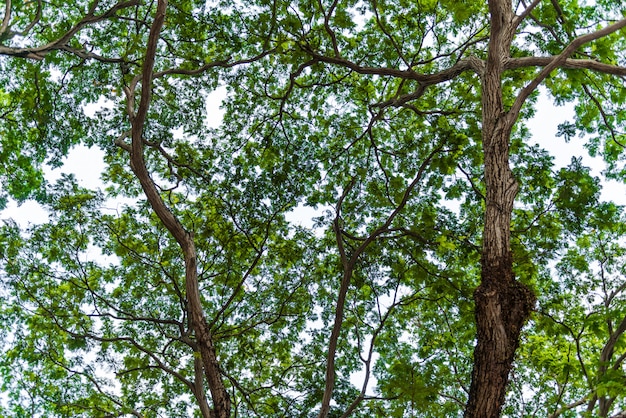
(503,305)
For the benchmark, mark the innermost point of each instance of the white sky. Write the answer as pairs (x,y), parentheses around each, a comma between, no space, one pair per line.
(544,127)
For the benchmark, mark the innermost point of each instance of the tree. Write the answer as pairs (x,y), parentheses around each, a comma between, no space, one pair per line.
(389,108)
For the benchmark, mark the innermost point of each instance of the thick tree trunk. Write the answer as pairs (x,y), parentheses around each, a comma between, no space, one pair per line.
(503,305)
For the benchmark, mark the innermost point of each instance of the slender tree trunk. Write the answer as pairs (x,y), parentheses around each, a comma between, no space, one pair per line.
(198,385)
(503,305)
(219,394)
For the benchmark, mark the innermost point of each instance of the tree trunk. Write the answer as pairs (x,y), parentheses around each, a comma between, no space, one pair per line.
(219,394)
(503,305)
(204,339)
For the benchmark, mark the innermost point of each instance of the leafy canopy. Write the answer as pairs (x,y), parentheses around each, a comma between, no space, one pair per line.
(369,112)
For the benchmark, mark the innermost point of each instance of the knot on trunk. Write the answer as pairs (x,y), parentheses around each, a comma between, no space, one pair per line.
(503,305)
(521,301)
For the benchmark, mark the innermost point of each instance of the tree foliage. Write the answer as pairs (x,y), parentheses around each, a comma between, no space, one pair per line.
(451,270)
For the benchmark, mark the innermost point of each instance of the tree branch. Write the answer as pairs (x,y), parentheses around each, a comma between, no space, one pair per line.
(7,17)
(348,263)
(569,63)
(466,64)
(559,61)
(221,400)
(520,18)
(568,407)
(603,114)
(38,53)
(225,63)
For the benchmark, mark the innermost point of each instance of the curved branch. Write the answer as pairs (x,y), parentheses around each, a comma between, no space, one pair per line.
(330,32)
(348,268)
(559,61)
(388,34)
(221,399)
(565,408)
(569,63)
(38,53)
(600,108)
(520,18)
(467,64)
(349,262)
(7,17)
(225,63)
(370,353)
